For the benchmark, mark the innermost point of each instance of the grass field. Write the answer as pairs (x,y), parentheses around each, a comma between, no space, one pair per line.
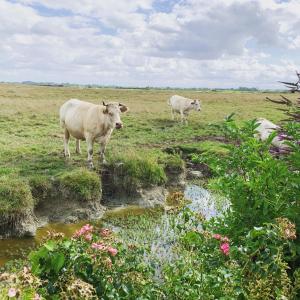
(31,138)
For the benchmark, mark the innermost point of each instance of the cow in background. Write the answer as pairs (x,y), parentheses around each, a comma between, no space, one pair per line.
(183,106)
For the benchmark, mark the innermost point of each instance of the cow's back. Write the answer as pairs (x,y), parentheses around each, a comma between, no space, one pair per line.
(72,116)
(178,102)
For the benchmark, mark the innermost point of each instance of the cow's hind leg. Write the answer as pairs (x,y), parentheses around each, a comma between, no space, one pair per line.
(90,145)
(66,143)
(172,113)
(78,150)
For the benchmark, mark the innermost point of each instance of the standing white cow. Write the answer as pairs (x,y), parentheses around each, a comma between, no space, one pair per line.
(183,106)
(266,128)
(90,122)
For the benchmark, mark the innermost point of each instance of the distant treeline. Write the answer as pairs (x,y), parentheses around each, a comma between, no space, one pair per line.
(54,84)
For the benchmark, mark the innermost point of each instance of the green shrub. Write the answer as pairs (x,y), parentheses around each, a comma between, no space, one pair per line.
(259,186)
(131,171)
(83,183)
(15,195)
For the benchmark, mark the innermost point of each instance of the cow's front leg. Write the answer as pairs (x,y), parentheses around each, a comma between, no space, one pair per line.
(185,118)
(182,116)
(102,152)
(90,144)
(66,143)
(78,150)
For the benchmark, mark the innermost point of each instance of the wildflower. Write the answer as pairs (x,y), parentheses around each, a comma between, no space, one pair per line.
(287,229)
(12,292)
(87,227)
(217,236)
(112,251)
(88,237)
(225,248)
(225,239)
(105,232)
(98,246)
(83,230)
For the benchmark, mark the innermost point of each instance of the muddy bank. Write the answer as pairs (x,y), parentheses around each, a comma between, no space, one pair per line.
(84,195)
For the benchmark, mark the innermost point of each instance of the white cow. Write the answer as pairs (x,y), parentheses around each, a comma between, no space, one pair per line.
(90,122)
(264,130)
(183,106)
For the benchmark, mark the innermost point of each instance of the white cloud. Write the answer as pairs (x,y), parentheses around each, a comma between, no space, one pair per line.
(194,43)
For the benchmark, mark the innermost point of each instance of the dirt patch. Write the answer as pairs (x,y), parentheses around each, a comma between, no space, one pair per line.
(18,224)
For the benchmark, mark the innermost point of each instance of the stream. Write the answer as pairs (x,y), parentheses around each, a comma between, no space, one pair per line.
(201,199)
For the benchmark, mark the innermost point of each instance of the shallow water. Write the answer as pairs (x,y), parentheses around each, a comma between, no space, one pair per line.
(201,201)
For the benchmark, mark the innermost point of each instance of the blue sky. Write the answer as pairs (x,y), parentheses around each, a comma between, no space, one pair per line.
(180,43)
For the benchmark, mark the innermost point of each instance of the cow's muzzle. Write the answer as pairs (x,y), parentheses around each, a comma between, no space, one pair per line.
(119,125)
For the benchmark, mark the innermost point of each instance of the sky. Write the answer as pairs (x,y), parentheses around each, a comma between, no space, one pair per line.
(159,43)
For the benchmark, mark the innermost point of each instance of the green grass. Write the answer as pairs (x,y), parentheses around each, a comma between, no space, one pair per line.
(15,195)
(31,141)
(82,183)
(131,171)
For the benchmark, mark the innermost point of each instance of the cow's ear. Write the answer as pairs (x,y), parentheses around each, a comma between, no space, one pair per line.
(103,103)
(123,107)
(193,102)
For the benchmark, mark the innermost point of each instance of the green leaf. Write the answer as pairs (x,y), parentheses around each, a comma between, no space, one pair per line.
(57,262)
(50,245)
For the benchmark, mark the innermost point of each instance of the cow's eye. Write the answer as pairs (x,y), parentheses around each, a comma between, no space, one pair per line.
(111,114)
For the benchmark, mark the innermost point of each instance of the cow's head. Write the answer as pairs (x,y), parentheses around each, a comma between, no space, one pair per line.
(113,110)
(196,104)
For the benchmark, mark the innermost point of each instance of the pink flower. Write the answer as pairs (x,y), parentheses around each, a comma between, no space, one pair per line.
(112,251)
(225,239)
(225,248)
(105,232)
(37,297)
(217,236)
(12,292)
(99,246)
(88,237)
(87,228)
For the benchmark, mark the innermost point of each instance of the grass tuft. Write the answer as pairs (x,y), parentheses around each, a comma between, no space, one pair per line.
(15,195)
(131,171)
(83,183)
(40,187)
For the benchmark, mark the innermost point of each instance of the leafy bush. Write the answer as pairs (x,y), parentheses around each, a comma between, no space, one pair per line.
(83,183)
(15,195)
(260,187)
